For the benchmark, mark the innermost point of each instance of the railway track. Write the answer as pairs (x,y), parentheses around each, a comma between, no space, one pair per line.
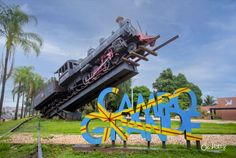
(40,152)
(16,127)
(39,147)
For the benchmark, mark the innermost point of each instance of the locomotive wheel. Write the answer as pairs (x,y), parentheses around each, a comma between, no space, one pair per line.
(115,60)
(132,46)
(85,78)
(93,71)
(106,66)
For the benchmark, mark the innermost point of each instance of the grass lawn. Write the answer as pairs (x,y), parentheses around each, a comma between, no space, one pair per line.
(16,150)
(56,127)
(214,128)
(73,127)
(8,125)
(65,151)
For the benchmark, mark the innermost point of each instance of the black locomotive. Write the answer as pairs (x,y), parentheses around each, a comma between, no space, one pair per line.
(112,62)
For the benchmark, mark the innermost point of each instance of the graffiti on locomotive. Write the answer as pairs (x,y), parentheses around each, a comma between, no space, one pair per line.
(156,112)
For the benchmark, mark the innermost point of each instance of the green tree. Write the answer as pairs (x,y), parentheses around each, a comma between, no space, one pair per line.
(12,21)
(141,90)
(112,101)
(208,100)
(20,79)
(36,82)
(168,82)
(28,74)
(26,84)
(165,82)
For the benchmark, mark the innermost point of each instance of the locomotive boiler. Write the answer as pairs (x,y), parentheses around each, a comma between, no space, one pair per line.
(112,62)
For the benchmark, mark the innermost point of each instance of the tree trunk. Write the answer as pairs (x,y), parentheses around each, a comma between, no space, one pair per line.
(17,102)
(26,106)
(4,78)
(32,106)
(25,111)
(22,106)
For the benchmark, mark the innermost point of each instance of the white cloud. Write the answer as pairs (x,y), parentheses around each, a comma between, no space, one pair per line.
(205,72)
(226,24)
(51,49)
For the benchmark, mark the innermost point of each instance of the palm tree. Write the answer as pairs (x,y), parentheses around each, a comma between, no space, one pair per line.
(22,105)
(209,100)
(35,84)
(17,90)
(12,20)
(26,84)
(21,77)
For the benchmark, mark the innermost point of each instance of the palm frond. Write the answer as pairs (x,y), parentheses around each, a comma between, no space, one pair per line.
(32,36)
(2,33)
(28,45)
(33,18)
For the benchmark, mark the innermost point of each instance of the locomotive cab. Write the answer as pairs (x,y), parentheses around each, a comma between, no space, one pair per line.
(66,70)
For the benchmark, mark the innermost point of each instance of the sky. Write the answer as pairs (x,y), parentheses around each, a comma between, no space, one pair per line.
(205,51)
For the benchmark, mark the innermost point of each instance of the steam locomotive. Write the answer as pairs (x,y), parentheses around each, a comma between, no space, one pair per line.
(125,45)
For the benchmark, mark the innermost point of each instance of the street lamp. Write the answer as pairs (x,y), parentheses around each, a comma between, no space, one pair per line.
(132,92)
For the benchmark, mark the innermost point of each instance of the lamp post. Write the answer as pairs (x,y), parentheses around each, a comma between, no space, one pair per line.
(132,96)
(132,92)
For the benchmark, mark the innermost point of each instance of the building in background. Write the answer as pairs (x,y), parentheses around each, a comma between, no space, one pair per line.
(224,109)
(8,113)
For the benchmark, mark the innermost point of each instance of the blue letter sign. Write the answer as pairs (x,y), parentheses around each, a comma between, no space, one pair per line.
(119,125)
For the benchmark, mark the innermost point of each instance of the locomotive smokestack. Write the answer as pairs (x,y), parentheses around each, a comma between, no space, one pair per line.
(120,20)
